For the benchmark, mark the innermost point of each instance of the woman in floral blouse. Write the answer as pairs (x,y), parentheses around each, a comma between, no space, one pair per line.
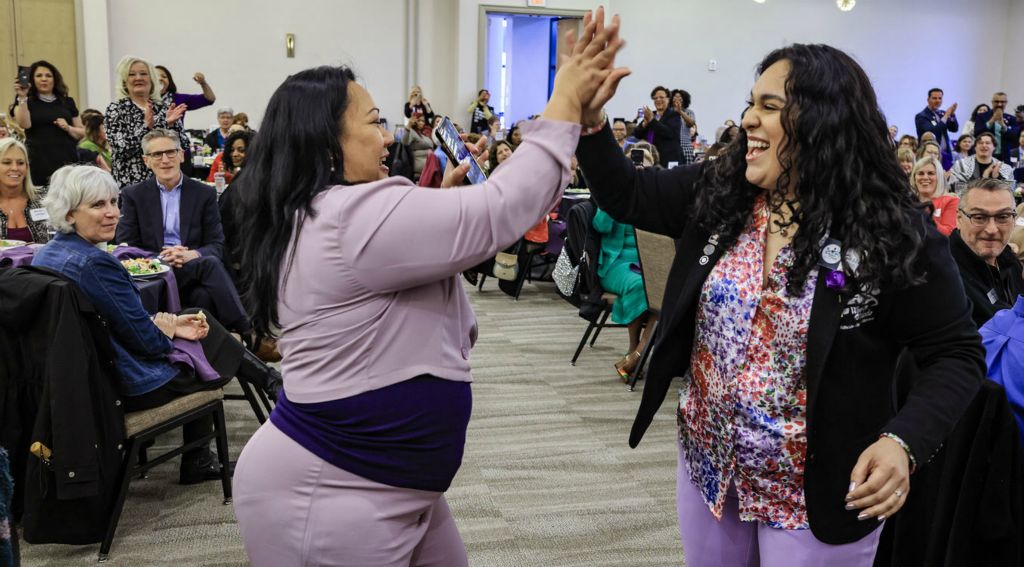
(138,110)
(804,268)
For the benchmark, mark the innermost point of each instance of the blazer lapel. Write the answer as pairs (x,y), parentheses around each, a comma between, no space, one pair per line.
(824,324)
(188,202)
(692,260)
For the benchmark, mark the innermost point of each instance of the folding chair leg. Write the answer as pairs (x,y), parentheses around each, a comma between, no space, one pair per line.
(124,477)
(221,431)
(483,278)
(600,325)
(523,274)
(583,342)
(247,389)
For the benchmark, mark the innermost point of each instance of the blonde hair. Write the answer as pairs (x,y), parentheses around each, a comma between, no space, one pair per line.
(940,176)
(905,155)
(26,184)
(125,65)
(1017,235)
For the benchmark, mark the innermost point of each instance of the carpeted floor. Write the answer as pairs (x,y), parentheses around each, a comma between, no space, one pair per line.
(547,480)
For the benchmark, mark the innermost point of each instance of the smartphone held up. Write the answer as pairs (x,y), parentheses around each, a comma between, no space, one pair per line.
(457,152)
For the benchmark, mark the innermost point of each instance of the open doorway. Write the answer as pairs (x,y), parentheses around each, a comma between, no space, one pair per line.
(521,57)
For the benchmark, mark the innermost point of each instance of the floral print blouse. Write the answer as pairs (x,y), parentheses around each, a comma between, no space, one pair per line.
(743,415)
(126,125)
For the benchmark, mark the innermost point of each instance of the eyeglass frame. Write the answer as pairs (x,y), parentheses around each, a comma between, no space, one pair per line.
(1010,216)
(162,154)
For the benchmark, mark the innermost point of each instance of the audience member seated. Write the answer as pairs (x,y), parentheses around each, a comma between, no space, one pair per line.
(909,142)
(170,95)
(906,158)
(964,147)
(499,152)
(218,165)
(991,272)
(95,136)
(22,217)
(138,110)
(177,217)
(50,120)
(418,104)
(417,139)
(237,146)
(723,137)
(661,127)
(929,148)
(618,266)
(215,139)
(1015,153)
(619,131)
(1004,126)
(242,119)
(984,165)
(650,154)
(149,351)
(515,135)
(930,185)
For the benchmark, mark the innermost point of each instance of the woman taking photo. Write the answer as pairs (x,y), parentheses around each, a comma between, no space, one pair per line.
(21,214)
(138,110)
(804,265)
(418,104)
(50,120)
(369,432)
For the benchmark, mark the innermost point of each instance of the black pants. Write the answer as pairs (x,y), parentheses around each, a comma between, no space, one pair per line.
(225,354)
(205,282)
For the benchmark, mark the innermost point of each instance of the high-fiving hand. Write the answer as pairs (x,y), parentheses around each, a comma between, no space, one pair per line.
(587,77)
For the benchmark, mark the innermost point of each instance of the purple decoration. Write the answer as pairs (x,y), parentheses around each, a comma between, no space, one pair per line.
(835,280)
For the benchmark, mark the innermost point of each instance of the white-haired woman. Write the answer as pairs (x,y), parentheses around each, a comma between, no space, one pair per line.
(929,184)
(138,110)
(82,205)
(21,215)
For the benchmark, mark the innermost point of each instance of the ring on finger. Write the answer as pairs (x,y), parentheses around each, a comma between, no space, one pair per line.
(898,492)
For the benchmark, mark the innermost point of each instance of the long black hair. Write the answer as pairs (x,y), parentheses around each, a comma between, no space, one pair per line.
(59,87)
(838,161)
(296,156)
(171,87)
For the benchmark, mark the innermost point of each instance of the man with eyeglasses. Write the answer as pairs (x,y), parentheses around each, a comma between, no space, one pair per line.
(177,217)
(1001,123)
(991,272)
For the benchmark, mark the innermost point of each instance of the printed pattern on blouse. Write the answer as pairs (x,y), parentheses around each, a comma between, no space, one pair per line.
(743,414)
(126,125)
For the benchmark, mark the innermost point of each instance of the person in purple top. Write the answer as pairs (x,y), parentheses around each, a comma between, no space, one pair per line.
(359,272)
(169,91)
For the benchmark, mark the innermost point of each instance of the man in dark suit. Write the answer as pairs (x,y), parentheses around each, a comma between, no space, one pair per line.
(177,217)
(933,119)
(1002,124)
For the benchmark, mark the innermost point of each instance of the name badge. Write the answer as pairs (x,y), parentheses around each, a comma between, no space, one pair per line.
(938,213)
(38,214)
(831,254)
(934,123)
(993,297)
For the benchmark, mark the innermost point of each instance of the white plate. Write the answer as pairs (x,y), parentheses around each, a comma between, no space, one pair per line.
(163,269)
(8,243)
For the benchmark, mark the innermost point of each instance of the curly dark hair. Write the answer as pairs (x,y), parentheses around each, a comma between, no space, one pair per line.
(243,135)
(492,158)
(59,87)
(977,109)
(844,178)
(686,97)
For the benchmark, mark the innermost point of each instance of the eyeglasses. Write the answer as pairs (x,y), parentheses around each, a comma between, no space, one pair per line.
(163,154)
(981,219)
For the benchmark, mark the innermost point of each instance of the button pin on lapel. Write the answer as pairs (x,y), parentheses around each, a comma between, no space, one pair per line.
(703,260)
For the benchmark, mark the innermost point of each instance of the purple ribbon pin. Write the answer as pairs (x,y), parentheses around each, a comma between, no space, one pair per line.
(835,280)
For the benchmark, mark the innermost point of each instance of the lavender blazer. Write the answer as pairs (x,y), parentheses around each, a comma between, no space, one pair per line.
(372,297)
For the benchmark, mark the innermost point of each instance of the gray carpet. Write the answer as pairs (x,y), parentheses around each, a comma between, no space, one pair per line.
(547,479)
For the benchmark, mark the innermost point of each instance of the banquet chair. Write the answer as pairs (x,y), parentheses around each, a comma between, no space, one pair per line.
(656,253)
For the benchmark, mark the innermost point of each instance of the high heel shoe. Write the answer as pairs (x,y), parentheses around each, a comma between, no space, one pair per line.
(626,365)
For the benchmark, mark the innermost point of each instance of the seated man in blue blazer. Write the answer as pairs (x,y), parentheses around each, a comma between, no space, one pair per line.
(177,217)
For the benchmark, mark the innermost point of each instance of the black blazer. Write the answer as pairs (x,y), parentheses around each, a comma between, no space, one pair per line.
(142,219)
(852,346)
(667,130)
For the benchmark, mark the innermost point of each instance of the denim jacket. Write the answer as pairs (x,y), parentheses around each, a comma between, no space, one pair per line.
(141,348)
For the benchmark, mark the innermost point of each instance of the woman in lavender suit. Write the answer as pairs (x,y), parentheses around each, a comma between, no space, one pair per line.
(359,271)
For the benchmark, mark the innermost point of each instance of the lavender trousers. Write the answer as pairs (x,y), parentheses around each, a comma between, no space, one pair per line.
(295,509)
(729,542)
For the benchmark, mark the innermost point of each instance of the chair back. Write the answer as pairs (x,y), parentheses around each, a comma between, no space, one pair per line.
(656,252)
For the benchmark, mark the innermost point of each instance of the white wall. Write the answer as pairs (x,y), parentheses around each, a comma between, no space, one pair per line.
(239,44)
(531,60)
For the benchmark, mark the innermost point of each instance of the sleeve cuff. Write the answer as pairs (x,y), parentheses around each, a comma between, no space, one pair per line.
(910,454)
